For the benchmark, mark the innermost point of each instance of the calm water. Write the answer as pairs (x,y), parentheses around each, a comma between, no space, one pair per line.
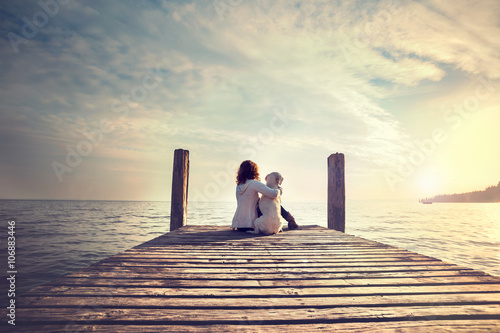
(54,238)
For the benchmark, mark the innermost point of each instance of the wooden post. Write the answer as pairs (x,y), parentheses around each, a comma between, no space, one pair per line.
(336,192)
(180,180)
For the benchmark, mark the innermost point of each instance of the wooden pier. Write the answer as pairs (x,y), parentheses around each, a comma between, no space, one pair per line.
(212,279)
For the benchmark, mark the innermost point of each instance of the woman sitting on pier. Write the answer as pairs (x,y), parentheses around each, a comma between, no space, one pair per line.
(247,195)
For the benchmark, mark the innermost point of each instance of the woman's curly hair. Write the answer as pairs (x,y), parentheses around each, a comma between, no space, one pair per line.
(247,170)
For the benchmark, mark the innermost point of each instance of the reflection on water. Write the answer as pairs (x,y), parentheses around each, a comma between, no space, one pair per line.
(54,238)
(465,234)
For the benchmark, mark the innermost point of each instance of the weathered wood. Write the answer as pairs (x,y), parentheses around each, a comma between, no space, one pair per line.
(180,179)
(249,288)
(291,282)
(362,327)
(331,265)
(245,327)
(300,277)
(176,301)
(329,314)
(336,192)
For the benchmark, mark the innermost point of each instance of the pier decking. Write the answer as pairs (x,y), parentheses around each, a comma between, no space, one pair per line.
(209,278)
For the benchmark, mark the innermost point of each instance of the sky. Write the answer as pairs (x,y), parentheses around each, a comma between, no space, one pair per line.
(97,95)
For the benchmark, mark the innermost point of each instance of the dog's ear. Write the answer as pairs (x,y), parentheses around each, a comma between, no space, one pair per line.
(279,179)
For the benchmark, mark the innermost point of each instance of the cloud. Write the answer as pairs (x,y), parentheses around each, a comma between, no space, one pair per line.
(460,35)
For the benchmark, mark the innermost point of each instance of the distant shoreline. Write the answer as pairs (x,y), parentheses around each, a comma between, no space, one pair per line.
(489,195)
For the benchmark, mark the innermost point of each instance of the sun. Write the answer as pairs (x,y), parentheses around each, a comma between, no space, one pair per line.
(427,183)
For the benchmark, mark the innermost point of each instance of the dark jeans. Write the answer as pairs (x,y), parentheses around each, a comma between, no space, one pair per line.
(284,213)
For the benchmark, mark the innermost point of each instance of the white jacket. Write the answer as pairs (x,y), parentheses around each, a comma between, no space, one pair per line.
(246,197)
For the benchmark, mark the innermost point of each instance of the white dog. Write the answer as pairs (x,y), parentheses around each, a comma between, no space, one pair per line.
(271,221)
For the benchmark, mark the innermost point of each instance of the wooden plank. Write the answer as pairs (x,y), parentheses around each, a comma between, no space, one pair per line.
(239,264)
(365,264)
(255,289)
(216,253)
(242,254)
(436,326)
(279,274)
(262,302)
(306,314)
(273,273)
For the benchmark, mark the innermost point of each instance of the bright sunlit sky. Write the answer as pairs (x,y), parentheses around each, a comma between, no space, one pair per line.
(96,95)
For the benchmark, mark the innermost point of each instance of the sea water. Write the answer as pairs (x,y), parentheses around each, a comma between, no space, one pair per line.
(54,238)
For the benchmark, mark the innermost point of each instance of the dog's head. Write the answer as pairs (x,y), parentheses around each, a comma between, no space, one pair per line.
(274,179)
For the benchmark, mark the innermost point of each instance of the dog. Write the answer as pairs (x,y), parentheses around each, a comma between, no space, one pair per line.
(271,221)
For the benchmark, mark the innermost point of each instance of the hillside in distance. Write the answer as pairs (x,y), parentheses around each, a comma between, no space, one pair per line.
(490,194)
